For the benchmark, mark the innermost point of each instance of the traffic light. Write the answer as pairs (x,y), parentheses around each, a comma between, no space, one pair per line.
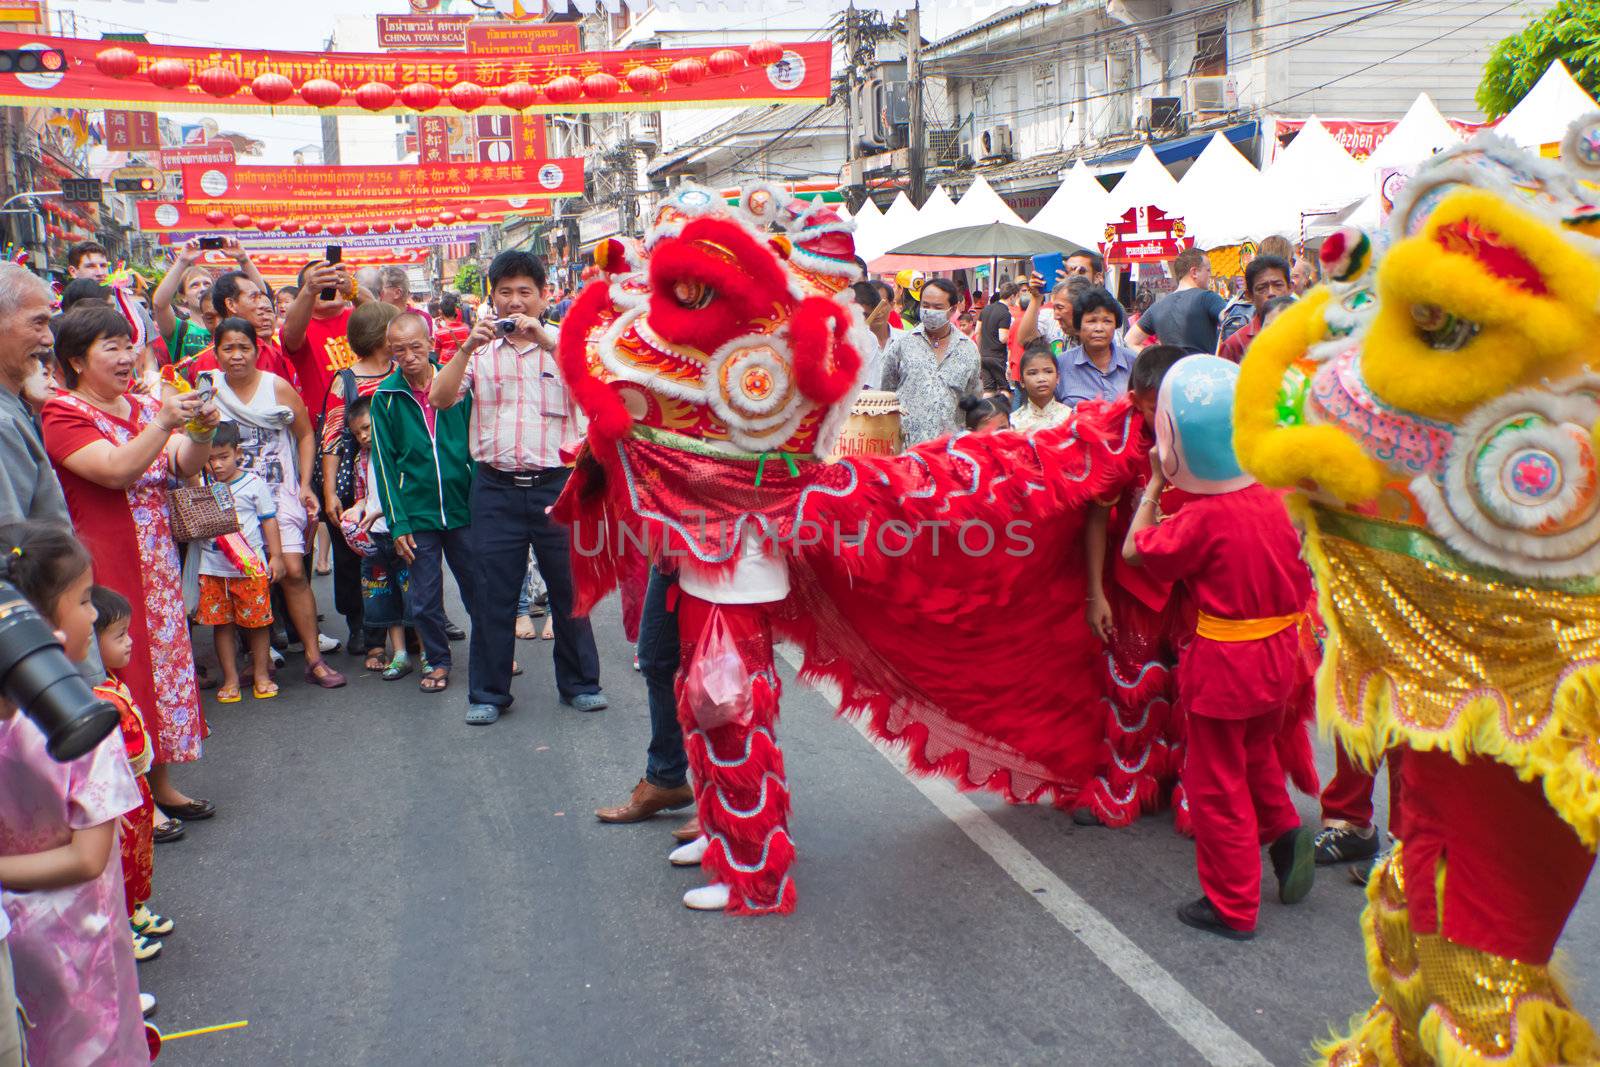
(137,185)
(81,190)
(32,61)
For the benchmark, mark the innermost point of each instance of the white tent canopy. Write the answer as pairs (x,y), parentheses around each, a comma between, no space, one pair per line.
(1220,197)
(869,235)
(1313,175)
(1420,133)
(980,205)
(1076,211)
(1542,116)
(1145,182)
(938,213)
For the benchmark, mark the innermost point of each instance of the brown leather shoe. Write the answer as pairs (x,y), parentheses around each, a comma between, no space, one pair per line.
(689,830)
(646,800)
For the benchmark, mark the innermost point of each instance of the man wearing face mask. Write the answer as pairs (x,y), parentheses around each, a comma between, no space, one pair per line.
(932,367)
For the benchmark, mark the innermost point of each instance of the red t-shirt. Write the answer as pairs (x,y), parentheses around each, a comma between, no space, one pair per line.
(319,360)
(447,337)
(1238,341)
(1239,557)
(269,357)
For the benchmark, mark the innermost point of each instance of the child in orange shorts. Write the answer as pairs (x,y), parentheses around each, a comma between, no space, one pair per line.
(230,600)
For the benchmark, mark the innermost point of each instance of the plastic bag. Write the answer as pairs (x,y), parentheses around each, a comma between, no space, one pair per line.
(717,686)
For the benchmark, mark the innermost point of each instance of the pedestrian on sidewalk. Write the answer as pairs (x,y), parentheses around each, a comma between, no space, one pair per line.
(522,415)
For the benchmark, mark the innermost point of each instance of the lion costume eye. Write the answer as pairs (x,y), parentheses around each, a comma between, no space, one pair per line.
(692,294)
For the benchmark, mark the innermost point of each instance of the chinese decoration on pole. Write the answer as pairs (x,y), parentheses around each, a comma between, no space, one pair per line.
(1144,235)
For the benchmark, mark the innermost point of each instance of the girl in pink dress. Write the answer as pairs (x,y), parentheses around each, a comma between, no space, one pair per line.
(59,863)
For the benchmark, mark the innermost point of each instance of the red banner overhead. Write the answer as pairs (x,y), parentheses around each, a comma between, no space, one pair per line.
(136,75)
(175,216)
(1144,235)
(530,180)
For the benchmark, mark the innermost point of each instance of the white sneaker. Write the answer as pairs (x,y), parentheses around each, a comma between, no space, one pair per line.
(147,1004)
(713,897)
(277,658)
(689,855)
(327,644)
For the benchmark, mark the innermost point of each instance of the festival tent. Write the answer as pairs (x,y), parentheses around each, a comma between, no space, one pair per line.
(981,204)
(1312,180)
(1076,210)
(1543,115)
(1145,183)
(1421,132)
(938,212)
(869,231)
(1220,198)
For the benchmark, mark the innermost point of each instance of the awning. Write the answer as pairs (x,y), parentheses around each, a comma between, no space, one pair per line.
(1182,148)
(890,264)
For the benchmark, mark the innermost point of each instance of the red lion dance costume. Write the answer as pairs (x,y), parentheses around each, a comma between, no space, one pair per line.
(1445,460)
(716,364)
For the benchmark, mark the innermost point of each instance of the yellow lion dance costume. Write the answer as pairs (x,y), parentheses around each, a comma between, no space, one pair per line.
(1437,407)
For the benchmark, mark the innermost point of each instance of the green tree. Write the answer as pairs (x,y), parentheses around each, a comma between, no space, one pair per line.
(1570,32)
(469,278)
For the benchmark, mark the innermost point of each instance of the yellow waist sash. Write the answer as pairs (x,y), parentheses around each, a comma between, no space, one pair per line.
(1232,630)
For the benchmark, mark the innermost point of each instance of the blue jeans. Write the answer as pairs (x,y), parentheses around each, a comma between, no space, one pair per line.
(665,763)
(434,548)
(506,522)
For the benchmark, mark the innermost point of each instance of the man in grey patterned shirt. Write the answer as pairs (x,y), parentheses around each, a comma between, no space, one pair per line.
(931,368)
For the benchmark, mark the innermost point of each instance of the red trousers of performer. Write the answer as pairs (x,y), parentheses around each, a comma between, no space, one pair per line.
(741,793)
(1348,795)
(1513,869)
(1238,802)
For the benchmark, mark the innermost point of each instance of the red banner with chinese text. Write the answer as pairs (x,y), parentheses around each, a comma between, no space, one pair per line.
(802,75)
(290,262)
(176,216)
(531,180)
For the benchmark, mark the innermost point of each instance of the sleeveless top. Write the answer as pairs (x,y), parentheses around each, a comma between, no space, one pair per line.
(266,448)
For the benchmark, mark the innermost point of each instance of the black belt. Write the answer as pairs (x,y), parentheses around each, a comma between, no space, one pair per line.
(519,479)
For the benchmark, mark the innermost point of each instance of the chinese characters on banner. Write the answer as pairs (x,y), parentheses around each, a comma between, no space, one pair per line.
(532,179)
(1144,235)
(132,131)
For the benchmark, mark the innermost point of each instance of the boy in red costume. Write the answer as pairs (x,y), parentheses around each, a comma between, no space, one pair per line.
(1238,557)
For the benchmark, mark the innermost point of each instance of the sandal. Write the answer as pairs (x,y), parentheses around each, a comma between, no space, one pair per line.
(374,662)
(549,629)
(229,694)
(525,631)
(398,668)
(320,674)
(264,690)
(437,680)
(516,669)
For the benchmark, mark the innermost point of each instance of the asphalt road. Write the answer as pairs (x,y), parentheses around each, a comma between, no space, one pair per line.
(386,885)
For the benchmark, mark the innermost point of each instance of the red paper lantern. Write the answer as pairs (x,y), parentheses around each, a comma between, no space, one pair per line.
(358,228)
(272,89)
(446,217)
(563,90)
(291,225)
(218,81)
(216,217)
(380,227)
(725,61)
(601,86)
(468,96)
(313,227)
(518,95)
(375,96)
(425,221)
(403,224)
(687,71)
(116,62)
(266,225)
(644,80)
(168,73)
(468,214)
(764,53)
(320,92)
(420,96)
(242,221)
(336,229)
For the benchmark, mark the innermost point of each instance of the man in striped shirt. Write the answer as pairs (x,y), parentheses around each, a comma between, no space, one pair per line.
(522,413)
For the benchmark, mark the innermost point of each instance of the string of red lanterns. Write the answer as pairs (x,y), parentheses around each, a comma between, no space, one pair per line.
(273,89)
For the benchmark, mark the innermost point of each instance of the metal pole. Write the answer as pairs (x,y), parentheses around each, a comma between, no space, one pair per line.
(850,90)
(916,135)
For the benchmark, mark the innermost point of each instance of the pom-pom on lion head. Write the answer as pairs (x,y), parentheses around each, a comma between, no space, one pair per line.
(723,325)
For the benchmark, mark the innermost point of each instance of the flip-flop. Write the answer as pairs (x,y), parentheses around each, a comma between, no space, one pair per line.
(549,629)
(375,662)
(429,683)
(267,693)
(229,694)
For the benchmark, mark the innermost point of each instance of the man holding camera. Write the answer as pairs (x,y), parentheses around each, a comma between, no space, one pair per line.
(522,414)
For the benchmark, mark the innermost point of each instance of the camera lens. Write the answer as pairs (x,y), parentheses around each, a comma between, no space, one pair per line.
(37,677)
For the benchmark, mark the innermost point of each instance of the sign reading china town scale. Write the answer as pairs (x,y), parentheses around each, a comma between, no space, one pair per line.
(1144,235)
(534,179)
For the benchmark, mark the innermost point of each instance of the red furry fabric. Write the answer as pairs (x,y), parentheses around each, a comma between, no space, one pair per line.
(826,365)
(744,277)
(608,419)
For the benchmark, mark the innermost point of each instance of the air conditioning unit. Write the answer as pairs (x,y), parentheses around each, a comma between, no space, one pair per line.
(1213,95)
(994,142)
(1158,112)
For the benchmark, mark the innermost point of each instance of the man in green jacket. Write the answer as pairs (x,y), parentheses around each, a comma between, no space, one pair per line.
(424,471)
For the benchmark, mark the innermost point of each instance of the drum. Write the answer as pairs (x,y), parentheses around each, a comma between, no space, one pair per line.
(873,428)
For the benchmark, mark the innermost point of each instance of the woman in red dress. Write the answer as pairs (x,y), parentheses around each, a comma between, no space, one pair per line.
(116,452)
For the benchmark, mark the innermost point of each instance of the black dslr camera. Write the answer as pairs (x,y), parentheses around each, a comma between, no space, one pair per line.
(37,677)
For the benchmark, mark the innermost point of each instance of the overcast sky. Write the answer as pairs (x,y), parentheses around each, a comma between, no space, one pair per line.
(303,25)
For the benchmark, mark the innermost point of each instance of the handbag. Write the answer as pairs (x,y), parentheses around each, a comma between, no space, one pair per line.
(202,512)
(344,447)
